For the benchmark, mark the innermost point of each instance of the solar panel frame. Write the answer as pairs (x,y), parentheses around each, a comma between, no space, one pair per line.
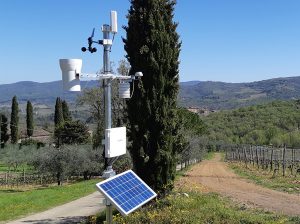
(143,199)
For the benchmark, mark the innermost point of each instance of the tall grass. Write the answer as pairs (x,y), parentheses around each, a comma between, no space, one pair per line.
(289,183)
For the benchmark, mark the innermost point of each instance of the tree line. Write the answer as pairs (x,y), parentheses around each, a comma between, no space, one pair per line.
(276,123)
(66,162)
(14,123)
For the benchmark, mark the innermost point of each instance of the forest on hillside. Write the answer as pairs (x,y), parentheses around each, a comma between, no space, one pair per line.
(276,123)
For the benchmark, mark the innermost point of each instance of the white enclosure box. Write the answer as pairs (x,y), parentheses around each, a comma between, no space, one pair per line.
(71,68)
(115,142)
(114,21)
(124,90)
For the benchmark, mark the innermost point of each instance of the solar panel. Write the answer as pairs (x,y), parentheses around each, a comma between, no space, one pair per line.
(126,191)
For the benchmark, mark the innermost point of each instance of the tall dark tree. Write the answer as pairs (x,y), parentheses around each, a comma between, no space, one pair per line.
(73,132)
(58,121)
(29,119)
(66,112)
(14,121)
(4,133)
(58,114)
(152,45)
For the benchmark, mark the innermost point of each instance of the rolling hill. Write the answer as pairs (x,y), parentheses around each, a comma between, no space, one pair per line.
(42,93)
(220,95)
(208,94)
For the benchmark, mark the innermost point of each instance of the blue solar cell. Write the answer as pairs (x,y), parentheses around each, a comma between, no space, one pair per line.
(126,191)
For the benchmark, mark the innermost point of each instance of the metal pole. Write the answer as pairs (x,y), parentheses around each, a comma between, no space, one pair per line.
(107,87)
(108,212)
(107,91)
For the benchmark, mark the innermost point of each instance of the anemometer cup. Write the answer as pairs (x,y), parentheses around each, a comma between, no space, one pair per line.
(71,69)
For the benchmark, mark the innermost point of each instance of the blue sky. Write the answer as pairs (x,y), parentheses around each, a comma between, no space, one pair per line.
(231,41)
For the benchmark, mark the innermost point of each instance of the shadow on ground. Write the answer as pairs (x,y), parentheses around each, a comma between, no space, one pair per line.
(63,220)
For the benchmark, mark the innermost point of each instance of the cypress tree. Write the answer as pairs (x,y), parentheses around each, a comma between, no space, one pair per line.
(152,45)
(58,121)
(4,134)
(73,132)
(14,121)
(66,111)
(29,119)
(58,114)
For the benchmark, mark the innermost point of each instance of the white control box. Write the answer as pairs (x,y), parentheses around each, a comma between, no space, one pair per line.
(115,142)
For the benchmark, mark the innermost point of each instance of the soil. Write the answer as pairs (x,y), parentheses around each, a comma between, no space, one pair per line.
(215,176)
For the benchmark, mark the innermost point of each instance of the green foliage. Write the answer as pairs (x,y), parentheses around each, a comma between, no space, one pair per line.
(94,99)
(275,123)
(58,114)
(31,142)
(14,121)
(3,133)
(66,112)
(192,133)
(98,136)
(58,121)
(153,47)
(29,119)
(192,122)
(72,132)
(123,163)
(67,160)
(178,208)
(14,158)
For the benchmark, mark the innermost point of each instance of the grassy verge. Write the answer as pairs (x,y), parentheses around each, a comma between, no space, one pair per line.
(17,203)
(265,178)
(189,203)
(209,156)
(4,168)
(196,207)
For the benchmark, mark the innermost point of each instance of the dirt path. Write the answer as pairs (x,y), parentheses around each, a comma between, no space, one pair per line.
(72,212)
(217,177)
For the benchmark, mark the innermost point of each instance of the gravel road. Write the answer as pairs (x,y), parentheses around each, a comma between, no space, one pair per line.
(217,177)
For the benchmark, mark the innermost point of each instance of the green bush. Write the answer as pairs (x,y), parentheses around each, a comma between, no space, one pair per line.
(31,142)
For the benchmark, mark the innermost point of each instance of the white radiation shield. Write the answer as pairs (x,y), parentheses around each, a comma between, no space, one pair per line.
(71,68)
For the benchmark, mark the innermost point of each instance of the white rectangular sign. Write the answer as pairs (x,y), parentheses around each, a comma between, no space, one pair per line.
(115,142)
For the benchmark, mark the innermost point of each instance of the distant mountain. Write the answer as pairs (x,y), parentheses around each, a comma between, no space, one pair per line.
(211,95)
(43,93)
(221,95)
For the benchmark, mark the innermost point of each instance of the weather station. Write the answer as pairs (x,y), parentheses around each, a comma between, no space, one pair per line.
(126,191)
